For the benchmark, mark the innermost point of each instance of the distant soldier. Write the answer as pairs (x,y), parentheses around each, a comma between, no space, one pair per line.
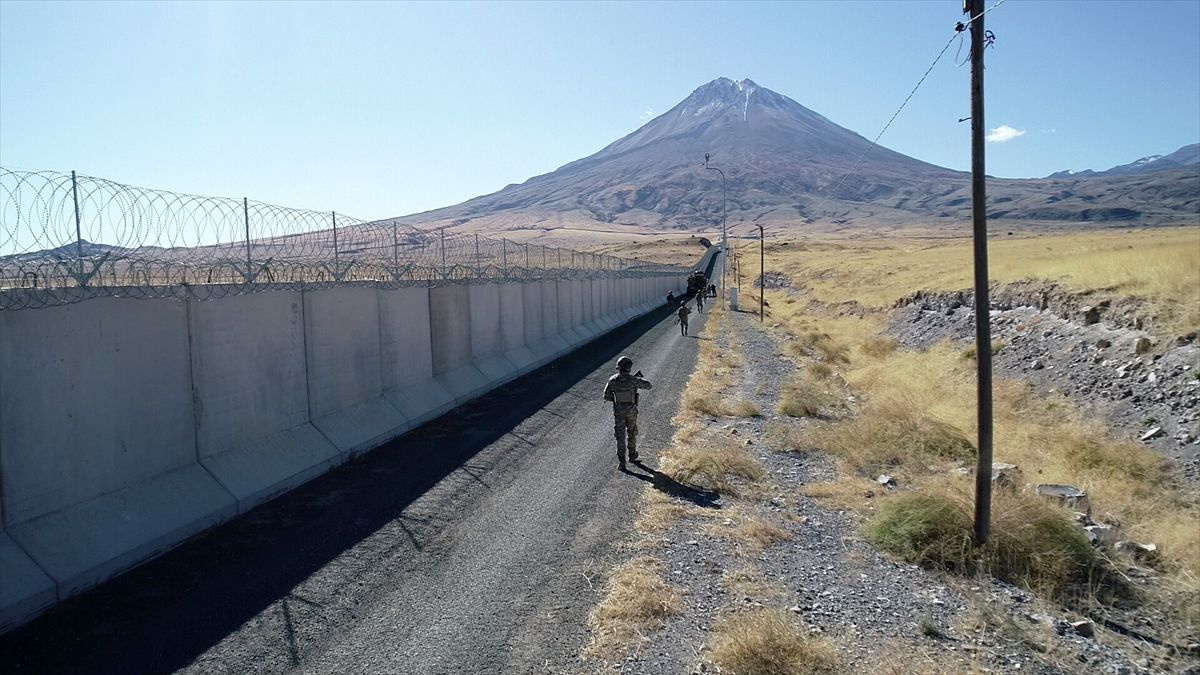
(700,301)
(670,299)
(683,319)
(622,390)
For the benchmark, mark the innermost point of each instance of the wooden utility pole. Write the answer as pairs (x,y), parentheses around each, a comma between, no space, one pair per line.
(983,328)
(762,272)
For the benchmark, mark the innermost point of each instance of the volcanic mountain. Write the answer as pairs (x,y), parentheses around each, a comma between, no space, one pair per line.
(788,166)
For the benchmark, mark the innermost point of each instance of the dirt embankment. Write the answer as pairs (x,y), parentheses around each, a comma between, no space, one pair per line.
(1104,353)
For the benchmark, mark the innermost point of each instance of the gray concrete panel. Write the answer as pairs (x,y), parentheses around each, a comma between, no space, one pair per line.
(255,471)
(532,304)
(512,328)
(450,327)
(342,348)
(345,369)
(251,396)
(407,356)
(484,301)
(405,344)
(25,590)
(549,309)
(97,397)
(85,544)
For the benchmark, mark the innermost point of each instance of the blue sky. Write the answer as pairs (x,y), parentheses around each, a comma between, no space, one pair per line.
(380,109)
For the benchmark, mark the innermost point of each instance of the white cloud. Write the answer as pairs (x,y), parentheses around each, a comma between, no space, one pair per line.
(1004,133)
(646,114)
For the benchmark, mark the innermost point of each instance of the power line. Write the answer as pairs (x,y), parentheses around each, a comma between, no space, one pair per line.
(959,28)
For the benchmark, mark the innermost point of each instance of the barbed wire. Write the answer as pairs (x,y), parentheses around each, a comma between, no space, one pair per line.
(66,237)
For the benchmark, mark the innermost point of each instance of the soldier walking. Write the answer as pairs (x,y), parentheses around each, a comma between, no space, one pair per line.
(683,319)
(622,390)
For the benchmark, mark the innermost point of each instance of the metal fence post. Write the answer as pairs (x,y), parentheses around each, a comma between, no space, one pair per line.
(78,235)
(478,263)
(443,232)
(246,217)
(504,257)
(395,246)
(336,263)
(526,255)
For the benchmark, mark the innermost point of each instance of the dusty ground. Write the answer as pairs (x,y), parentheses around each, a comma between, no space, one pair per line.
(880,615)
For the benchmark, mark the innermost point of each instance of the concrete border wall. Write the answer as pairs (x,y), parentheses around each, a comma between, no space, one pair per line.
(97,439)
(406,355)
(250,394)
(129,425)
(345,369)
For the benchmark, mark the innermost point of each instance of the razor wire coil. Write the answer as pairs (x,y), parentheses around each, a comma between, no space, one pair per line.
(65,238)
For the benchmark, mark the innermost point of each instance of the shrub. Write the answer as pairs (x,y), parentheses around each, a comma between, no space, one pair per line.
(1031,542)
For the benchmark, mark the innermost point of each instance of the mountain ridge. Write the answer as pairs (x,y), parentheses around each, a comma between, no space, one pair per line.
(782,160)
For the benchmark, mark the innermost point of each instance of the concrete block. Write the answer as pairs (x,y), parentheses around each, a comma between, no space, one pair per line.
(25,590)
(450,327)
(497,369)
(343,346)
(407,356)
(488,336)
(465,383)
(549,309)
(251,395)
(87,543)
(512,328)
(532,305)
(97,398)
(363,426)
(259,469)
(484,303)
(421,401)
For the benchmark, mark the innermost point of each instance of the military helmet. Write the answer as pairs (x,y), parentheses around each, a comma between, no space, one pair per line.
(624,363)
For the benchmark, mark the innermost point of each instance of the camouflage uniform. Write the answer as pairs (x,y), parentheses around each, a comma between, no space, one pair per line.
(683,319)
(622,390)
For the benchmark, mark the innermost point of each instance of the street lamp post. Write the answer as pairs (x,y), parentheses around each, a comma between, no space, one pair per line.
(724,239)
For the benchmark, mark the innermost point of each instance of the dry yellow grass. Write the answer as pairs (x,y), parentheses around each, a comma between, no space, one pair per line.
(637,599)
(748,530)
(748,582)
(1160,265)
(917,418)
(803,396)
(769,642)
(721,466)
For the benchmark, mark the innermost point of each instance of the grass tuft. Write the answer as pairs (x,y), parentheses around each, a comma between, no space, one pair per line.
(879,347)
(636,599)
(890,434)
(769,642)
(805,397)
(1031,543)
(719,468)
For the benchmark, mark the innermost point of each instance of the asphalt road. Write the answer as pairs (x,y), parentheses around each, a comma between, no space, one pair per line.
(475,544)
